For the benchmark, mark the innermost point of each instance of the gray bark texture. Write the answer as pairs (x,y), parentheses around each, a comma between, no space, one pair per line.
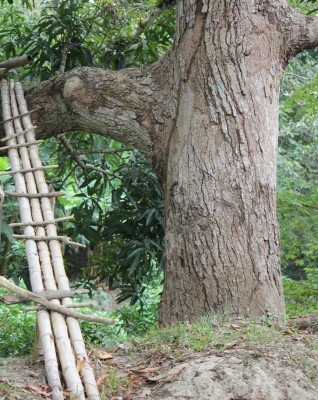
(207,114)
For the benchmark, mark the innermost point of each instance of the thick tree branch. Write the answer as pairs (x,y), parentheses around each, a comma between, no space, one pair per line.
(114,104)
(300,32)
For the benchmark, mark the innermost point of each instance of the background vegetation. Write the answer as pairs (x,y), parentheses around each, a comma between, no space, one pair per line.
(114,193)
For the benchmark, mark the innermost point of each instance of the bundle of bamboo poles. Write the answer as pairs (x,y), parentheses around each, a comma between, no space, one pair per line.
(61,337)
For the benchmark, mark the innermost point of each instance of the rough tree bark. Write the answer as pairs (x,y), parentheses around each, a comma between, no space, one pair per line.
(207,114)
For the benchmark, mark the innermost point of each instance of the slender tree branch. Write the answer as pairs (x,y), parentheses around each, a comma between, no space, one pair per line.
(161,7)
(49,305)
(99,151)
(78,160)
(64,52)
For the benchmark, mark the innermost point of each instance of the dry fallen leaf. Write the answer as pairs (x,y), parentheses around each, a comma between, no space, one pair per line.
(103,355)
(127,396)
(102,380)
(145,393)
(124,346)
(144,372)
(80,363)
(169,375)
(235,326)
(38,390)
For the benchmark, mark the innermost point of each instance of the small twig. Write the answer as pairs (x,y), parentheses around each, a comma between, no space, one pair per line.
(52,306)
(64,239)
(98,151)
(41,223)
(78,161)
(18,134)
(35,195)
(21,115)
(73,305)
(47,294)
(22,171)
(16,146)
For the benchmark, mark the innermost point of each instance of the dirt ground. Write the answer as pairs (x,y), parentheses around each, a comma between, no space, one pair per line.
(235,372)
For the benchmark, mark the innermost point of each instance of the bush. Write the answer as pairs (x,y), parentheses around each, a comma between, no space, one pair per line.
(301,297)
(17,331)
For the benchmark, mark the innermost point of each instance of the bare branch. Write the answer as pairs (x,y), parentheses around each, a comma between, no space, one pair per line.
(161,7)
(99,151)
(77,159)
(49,305)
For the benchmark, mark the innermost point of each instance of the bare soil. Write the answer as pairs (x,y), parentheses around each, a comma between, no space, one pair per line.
(235,372)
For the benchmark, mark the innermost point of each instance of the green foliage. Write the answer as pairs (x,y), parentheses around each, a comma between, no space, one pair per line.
(139,318)
(133,230)
(301,297)
(65,34)
(297,194)
(17,330)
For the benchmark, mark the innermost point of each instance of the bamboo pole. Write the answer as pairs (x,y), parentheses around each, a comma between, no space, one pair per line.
(57,258)
(39,207)
(45,329)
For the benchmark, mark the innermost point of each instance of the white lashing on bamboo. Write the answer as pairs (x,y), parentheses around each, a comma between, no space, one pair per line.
(44,256)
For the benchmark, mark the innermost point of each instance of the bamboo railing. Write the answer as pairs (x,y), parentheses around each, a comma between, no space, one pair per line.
(60,336)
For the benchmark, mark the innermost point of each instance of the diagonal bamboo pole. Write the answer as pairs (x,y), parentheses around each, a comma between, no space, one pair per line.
(39,206)
(44,323)
(57,258)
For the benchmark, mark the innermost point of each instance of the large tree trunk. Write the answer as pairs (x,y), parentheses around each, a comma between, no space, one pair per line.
(208,115)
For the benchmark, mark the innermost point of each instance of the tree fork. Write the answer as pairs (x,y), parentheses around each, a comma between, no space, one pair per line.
(207,114)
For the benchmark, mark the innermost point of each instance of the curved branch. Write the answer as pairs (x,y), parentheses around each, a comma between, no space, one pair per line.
(300,32)
(115,104)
